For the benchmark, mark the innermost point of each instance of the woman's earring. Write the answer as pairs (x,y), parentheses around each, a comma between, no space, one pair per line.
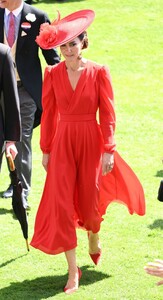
(60,55)
(80,56)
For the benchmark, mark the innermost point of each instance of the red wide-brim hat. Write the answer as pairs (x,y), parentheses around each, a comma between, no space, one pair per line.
(62,31)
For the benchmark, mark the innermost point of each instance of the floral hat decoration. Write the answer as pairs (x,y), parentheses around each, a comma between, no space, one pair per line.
(61,31)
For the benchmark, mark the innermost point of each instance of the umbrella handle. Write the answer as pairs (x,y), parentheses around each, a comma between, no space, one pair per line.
(11,162)
(27,244)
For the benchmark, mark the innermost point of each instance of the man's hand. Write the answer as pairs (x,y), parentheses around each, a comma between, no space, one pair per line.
(11,149)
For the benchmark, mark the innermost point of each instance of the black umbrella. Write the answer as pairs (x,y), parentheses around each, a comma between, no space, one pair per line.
(17,200)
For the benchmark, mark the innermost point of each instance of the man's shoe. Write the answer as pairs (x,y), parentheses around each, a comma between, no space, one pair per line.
(9,192)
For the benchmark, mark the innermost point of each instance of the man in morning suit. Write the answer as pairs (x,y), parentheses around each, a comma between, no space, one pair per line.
(26,21)
(9,104)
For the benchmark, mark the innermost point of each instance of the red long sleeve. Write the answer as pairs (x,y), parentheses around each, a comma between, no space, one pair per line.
(106,110)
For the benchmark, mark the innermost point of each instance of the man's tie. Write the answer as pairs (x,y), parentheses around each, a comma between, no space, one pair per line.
(11,30)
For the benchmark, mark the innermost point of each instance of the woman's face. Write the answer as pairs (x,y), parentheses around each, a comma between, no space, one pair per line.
(72,50)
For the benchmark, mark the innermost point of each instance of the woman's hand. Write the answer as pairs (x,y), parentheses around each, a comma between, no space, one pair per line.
(45,161)
(107,163)
(155,269)
(11,149)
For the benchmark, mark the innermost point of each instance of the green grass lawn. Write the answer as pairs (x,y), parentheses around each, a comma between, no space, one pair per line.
(127,36)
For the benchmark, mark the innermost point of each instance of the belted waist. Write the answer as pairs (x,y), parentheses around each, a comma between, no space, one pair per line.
(78,118)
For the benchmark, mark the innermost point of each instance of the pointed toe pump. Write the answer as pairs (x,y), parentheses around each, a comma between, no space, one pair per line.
(96,257)
(69,291)
(94,243)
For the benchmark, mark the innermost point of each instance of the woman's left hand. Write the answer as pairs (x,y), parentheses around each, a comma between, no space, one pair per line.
(45,160)
(107,163)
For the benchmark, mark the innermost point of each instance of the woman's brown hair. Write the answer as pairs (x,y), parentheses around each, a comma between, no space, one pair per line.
(84,38)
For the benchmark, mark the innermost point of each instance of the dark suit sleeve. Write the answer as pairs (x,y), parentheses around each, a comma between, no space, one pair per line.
(10,100)
(51,56)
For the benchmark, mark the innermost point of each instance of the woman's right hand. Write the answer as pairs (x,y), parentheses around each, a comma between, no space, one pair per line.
(45,160)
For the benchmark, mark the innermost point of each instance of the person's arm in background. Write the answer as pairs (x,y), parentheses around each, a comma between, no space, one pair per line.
(12,127)
(155,269)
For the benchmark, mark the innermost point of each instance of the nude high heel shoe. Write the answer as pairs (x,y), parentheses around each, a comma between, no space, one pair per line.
(94,243)
(69,291)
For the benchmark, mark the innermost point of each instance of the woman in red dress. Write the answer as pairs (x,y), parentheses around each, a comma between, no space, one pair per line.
(83,169)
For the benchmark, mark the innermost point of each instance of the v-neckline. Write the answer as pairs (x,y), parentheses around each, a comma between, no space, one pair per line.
(83,71)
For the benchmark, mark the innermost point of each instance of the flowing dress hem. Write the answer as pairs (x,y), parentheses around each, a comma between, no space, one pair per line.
(50,251)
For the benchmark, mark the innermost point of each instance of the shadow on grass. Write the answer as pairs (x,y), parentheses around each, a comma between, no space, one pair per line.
(35,2)
(11,260)
(159,173)
(157,224)
(4,211)
(47,286)
(1,194)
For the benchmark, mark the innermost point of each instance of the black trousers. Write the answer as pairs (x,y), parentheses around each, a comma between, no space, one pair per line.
(23,161)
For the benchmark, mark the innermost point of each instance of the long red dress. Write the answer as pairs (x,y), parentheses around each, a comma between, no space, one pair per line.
(75,192)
